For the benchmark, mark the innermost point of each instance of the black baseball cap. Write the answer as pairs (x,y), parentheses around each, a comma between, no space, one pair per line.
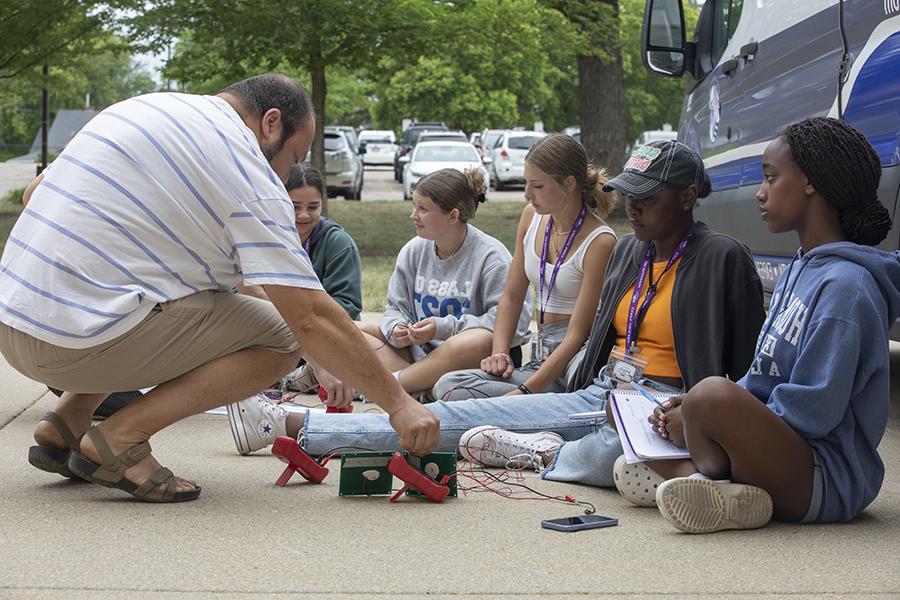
(655,165)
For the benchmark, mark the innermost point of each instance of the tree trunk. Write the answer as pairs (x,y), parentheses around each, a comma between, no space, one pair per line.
(601,98)
(319,91)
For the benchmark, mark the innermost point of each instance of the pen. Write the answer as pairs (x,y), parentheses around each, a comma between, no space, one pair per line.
(648,395)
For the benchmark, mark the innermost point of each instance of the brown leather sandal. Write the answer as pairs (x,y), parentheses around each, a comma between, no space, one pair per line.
(159,487)
(54,460)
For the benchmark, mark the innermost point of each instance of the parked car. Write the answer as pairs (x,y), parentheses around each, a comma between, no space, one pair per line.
(410,137)
(380,146)
(343,166)
(428,157)
(508,156)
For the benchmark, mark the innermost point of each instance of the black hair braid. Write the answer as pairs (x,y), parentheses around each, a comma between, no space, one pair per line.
(844,168)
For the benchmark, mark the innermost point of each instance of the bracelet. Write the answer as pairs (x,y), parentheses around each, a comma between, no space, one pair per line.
(524,389)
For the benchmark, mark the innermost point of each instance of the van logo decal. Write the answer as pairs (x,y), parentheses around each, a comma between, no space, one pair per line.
(715,107)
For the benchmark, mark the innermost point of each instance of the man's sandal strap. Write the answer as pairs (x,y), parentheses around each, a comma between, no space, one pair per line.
(113,467)
(63,429)
(150,488)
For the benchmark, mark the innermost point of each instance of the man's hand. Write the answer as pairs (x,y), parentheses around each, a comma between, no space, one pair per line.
(401,335)
(340,394)
(423,331)
(668,423)
(418,428)
(499,364)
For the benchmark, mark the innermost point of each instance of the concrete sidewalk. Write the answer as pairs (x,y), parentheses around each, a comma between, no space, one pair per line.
(247,538)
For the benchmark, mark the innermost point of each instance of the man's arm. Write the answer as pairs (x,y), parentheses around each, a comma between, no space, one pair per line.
(332,340)
(29,189)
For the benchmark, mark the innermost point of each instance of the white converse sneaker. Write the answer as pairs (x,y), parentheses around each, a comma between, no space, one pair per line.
(255,422)
(704,506)
(302,379)
(637,482)
(495,447)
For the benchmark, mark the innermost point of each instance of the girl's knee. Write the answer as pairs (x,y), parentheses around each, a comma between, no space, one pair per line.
(707,398)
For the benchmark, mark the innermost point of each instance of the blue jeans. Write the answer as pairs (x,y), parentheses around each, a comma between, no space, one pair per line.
(587,457)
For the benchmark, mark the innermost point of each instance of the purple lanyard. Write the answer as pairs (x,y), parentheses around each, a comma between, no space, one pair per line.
(307,245)
(559,260)
(635,314)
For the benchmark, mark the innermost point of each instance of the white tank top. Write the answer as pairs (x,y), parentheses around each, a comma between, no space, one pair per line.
(570,276)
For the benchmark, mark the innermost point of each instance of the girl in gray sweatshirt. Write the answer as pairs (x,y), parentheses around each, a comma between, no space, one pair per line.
(443,295)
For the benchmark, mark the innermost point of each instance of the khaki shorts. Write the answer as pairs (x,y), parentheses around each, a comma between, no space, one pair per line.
(176,337)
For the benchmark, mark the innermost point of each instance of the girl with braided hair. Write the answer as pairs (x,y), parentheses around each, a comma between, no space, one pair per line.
(797,436)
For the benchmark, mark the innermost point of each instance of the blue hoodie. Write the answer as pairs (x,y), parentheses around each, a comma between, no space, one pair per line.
(822,364)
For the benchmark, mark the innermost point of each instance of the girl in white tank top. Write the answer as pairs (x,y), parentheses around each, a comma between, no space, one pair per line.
(561,232)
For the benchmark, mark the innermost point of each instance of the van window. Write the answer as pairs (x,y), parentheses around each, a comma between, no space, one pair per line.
(727,16)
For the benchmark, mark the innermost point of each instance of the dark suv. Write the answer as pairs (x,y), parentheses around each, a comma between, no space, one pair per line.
(410,137)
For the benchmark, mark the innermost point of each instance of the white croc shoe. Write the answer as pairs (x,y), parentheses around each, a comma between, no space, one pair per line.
(495,447)
(704,506)
(256,422)
(637,483)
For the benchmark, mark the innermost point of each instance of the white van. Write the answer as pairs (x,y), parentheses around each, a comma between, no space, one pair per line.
(757,66)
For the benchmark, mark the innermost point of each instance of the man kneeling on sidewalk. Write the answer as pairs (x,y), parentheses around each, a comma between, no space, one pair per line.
(118,276)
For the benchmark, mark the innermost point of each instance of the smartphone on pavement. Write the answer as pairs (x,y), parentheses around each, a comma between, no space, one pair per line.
(580,522)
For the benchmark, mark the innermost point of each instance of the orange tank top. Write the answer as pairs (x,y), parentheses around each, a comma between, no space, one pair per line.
(655,338)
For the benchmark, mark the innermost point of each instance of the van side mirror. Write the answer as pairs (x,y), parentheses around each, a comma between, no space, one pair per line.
(663,41)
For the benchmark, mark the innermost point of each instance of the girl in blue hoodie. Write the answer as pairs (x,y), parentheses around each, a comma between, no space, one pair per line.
(797,436)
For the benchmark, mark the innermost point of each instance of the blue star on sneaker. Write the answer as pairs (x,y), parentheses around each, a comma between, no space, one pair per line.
(267,428)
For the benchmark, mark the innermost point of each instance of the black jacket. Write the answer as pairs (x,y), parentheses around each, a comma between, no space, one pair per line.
(717,308)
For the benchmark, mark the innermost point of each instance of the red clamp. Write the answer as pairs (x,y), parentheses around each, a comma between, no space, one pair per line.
(287,450)
(413,477)
(323,396)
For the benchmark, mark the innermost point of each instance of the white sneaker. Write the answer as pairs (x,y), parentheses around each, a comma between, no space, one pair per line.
(302,379)
(637,482)
(255,422)
(495,447)
(704,506)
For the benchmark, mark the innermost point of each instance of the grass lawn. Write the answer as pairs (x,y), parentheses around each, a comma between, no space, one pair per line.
(381,228)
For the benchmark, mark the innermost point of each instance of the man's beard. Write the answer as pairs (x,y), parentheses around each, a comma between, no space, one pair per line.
(270,152)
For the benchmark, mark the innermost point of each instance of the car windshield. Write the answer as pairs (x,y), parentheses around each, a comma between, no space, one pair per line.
(522,142)
(334,143)
(446,154)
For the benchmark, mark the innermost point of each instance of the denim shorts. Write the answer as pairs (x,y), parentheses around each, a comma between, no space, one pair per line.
(818,491)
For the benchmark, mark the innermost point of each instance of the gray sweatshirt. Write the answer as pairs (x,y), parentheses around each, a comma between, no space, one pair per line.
(461,292)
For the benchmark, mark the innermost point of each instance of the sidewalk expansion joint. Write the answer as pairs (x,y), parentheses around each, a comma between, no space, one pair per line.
(18,414)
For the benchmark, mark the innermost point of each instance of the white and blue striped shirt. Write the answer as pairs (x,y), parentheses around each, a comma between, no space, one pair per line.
(157,198)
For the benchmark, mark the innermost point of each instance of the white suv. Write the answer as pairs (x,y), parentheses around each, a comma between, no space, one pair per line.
(508,156)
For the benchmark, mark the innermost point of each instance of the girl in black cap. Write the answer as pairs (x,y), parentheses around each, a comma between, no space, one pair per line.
(798,434)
